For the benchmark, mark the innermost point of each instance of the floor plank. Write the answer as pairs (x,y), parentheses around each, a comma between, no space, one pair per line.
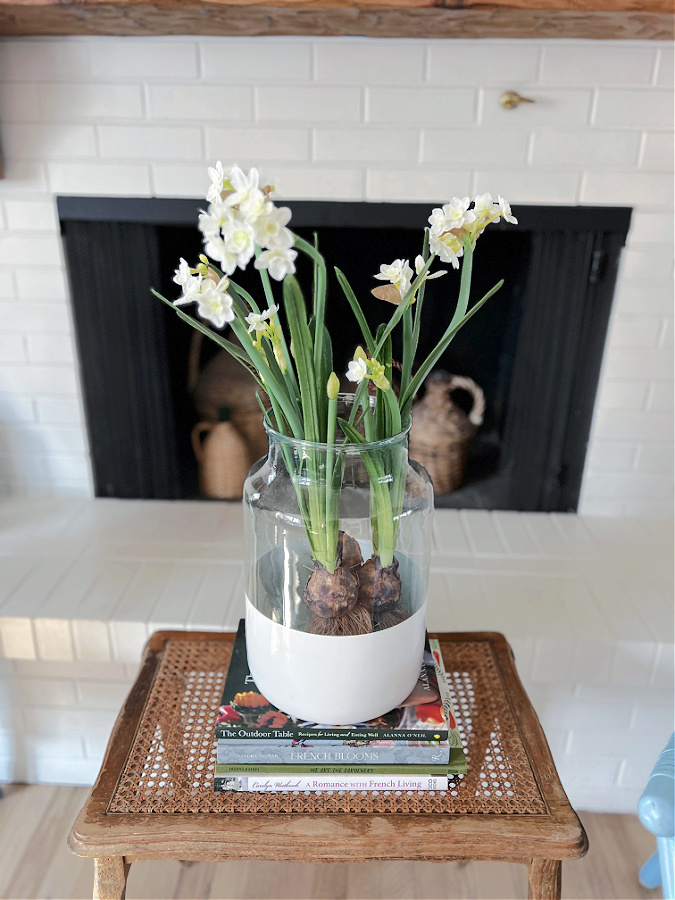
(35,863)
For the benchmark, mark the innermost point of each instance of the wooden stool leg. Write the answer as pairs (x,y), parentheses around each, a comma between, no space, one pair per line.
(545,879)
(110,877)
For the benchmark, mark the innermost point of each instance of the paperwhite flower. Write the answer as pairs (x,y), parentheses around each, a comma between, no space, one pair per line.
(484,206)
(239,240)
(278,261)
(270,227)
(446,247)
(258,321)
(505,210)
(183,274)
(357,370)
(214,303)
(220,181)
(398,273)
(247,195)
(452,215)
(419,265)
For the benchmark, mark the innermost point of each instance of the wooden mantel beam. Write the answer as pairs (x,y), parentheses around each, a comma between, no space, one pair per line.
(598,19)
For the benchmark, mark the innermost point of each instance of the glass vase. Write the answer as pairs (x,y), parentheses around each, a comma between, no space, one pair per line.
(338,539)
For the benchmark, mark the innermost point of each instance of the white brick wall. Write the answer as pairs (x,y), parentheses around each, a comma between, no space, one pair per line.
(347,118)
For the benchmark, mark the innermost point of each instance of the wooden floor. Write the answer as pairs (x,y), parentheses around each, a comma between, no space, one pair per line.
(35,864)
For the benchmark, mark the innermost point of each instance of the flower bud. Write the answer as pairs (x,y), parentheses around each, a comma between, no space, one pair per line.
(360,353)
(333,386)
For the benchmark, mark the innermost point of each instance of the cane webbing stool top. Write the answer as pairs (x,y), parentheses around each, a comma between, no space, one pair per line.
(154,795)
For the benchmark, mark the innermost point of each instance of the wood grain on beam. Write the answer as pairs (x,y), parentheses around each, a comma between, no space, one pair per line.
(411,18)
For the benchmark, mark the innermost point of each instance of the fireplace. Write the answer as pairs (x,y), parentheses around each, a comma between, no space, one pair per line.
(535,349)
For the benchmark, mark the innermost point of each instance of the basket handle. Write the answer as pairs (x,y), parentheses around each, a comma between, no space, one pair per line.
(468,384)
(196,438)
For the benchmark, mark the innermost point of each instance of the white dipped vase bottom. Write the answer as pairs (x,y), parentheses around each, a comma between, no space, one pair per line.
(334,680)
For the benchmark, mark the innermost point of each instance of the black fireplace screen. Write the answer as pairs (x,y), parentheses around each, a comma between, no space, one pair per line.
(535,349)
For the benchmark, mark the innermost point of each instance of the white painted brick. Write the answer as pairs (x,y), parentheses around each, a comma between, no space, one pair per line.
(664,73)
(585,148)
(635,772)
(16,409)
(58,411)
(529,186)
(7,287)
(202,102)
(652,723)
(422,105)
(150,142)
(621,188)
(658,151)
(19,102)
(94,747)
(662,673)
(267,59)
(47,349)
(366,143)
(47,692)
(603,455)
(468,62)
(593,663)
(96,102)
(551,107)
(483,536)
(432,185)
(611,425)
(41,317)
(609,64)
(326,182)
(96,670)
(449,534)
(640,297)
(635,331)
(180,180)
(43,284)
(38,380)
(637,362)
(648,262)
(66,771)
(91,641)
(101,179)
(124,59)
(308,105)
(647,509)
(30,250)
(553,661)
(40,441)
(17,638)
(23,177)
(251,145)
(623,394)
(476,146)
(31,215)
(12,348)
(654,458)
(633,663)
(60,746)
(632,485)
(53,639)
(647,108)
(646,227)
(69,468)
(514,533)
(592,506)
(364,61)
(128,640)
(29,59)
(102,694)
(48,141)
(661,396)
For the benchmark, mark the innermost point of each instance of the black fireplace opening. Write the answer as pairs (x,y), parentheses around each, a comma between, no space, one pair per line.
(535,348)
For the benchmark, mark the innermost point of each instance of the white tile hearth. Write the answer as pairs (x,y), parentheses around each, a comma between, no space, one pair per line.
(586,603)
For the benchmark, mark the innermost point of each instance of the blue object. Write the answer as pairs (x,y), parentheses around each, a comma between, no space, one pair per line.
(656,809)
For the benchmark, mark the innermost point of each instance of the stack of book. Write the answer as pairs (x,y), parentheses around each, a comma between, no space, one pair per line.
(260,748)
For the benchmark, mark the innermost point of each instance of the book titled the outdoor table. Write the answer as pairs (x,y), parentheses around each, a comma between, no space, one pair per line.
(413,747)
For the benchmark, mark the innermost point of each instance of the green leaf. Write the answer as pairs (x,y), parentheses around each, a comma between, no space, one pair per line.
(358,312)
(301,339)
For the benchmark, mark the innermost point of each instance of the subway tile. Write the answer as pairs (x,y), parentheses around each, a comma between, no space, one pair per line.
(36,440)
(633,663)
(58,411)
(102,694)
(96,102)
(365,144)
(29,59)
(43,720)
(250,145)
(7,286)
(45,747)
(364,61)
(657,152)
(476,146)
(515,534)
(56,770)
(662,673)
(627,188)
(19,102)
(30,249)
(97,670)
(639,362)
(608,64)
(450,536)
(41,284)
(634,109)
(530,186)
(47,692)
(53,640)
(553,661)
(422,105)
(16,638)
(469,62)
(651,509)
(593,662)
(151,142)
(648,262)
(585,148)
(47,349)
(210,103)
(31,215)
(423,184)
(100,179)
(655,457)
(23,177)
(550,107)
(483,535)
(26,141)
(650,228)
(309,104)
(127,640)
(265,60)
(640,297)
(631,485)
(635,331)
(12,348)
(607,455)
(16,409)
(126,59)
(661,396)
(664,71)
(623,394)
(318,183)
(172,180)
(91,641)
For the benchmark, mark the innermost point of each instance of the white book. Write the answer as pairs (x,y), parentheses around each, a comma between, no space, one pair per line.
(251,783)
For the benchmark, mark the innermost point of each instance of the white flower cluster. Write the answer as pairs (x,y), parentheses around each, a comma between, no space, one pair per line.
(450,223)
(241,216)
(400,274)
(210,294)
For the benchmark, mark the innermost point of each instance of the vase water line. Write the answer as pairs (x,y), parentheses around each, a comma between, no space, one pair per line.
(337,554)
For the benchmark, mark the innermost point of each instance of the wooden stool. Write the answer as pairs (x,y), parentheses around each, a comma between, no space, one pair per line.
(154,798)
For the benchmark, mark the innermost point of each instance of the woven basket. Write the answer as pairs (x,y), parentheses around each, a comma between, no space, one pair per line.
(441,432)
